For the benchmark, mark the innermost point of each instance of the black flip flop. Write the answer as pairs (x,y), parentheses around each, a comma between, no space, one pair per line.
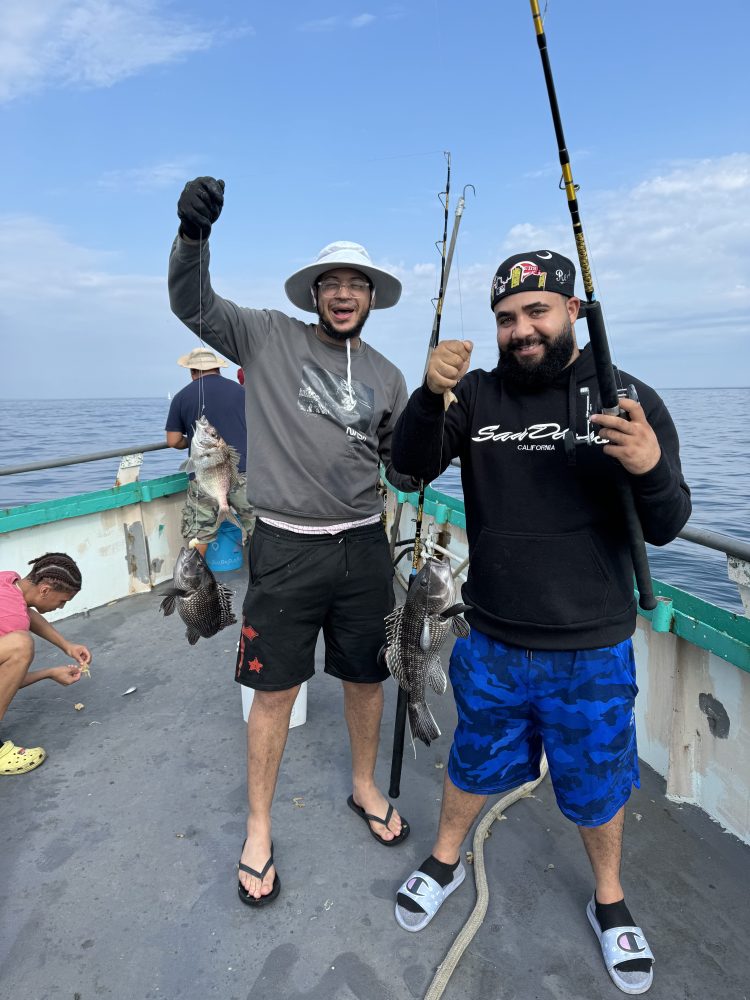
(368,818)
(245,896)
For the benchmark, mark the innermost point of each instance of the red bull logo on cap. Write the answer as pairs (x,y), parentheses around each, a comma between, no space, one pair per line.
(526,269)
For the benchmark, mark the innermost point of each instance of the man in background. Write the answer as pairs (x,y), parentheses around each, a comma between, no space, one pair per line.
(222,402)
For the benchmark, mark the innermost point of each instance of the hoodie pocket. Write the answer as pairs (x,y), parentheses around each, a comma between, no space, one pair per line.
(549,580)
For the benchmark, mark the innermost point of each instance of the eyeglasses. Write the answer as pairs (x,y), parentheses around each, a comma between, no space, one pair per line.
(332,286)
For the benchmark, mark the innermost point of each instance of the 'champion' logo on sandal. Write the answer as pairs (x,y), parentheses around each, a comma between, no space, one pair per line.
(415,884)
(628,941)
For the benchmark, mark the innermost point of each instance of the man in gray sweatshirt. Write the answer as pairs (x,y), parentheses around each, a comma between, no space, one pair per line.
(320,405)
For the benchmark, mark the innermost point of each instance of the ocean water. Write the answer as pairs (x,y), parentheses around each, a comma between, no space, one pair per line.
(712,424)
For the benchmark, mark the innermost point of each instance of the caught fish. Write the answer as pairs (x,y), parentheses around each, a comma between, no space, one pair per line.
(203,604)
(414,635)
(215,465)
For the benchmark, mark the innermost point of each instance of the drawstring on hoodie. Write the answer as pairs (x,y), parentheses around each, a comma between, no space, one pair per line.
(349,373)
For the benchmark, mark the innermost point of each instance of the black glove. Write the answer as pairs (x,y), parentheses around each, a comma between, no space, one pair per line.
(200,206)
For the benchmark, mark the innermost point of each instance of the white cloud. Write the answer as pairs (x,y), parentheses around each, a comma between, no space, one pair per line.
(336,22)
(158,175)
(670,257)
(90,43)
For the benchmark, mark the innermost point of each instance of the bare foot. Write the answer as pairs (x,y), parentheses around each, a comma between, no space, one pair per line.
(255,854)
(372,800)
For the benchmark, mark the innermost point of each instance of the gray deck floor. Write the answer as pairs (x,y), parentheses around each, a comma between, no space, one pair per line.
(117,869)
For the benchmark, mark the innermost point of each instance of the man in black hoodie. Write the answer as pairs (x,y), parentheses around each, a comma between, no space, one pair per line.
(549,663)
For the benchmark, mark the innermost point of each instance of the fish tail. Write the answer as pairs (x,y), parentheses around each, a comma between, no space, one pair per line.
(227,514)
(422,723)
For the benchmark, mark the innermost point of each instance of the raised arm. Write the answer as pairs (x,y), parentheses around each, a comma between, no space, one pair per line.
(232,330)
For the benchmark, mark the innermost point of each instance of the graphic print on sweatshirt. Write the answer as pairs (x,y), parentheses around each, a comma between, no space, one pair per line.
(328,395)
(535,437)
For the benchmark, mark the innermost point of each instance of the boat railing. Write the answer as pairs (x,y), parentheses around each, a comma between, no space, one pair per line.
(133,452)
(736,550)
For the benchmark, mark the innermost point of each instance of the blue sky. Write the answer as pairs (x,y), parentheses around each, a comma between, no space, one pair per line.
(329,121)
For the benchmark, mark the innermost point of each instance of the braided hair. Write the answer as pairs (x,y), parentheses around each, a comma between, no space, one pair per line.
(58,570)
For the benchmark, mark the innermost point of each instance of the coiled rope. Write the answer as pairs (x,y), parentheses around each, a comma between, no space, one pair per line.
(466,934)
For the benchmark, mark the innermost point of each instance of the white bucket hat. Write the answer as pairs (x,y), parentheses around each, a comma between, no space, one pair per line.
(202,360)
(342,254)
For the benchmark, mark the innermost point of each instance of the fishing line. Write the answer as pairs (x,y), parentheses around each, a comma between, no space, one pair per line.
(460,298)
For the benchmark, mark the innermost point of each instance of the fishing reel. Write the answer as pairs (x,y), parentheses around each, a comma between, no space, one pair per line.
(590,436)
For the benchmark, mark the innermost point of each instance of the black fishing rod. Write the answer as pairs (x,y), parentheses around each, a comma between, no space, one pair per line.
(605,375)
(399,728)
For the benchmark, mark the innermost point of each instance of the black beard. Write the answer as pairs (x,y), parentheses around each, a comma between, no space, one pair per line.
(557,355)
(337,334)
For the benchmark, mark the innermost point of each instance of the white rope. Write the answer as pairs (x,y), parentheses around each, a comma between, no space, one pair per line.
(472,925)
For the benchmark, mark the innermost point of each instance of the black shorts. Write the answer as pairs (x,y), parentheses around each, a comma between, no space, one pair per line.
(301,583)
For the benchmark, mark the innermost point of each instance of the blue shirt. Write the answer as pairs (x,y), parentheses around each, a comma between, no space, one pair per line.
(223,406)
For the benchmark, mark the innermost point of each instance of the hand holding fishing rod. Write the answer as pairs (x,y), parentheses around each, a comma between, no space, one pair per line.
(447,365)
(610,396)
(199,206)
(632,440)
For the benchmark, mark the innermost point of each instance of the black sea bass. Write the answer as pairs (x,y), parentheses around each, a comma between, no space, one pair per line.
(215,466)
(414,635)
(203,604)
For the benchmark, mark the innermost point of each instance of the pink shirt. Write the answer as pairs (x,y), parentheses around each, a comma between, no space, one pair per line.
(14,615)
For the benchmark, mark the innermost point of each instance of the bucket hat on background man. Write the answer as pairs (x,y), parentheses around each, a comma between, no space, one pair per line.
(202,360)
(342,254)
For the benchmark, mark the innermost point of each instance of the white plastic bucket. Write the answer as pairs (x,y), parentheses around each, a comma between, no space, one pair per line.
(299,708)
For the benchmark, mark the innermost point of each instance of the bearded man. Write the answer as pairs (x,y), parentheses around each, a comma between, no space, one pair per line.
(549,662)
(321,405)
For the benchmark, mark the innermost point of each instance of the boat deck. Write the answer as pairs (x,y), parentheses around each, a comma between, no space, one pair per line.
(118,879)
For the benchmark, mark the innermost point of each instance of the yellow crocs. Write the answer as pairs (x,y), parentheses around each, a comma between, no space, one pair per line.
(19,760)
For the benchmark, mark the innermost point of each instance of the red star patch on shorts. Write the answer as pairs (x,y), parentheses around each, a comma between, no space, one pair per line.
(255,665)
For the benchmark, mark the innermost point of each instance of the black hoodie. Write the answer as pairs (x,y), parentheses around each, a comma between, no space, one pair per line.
(550,563)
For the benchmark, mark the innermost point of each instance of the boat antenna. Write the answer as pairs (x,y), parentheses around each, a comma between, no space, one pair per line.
(605,375)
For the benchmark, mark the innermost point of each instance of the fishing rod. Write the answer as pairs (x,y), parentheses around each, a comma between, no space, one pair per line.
(446,259)
(435,335)
(605,375)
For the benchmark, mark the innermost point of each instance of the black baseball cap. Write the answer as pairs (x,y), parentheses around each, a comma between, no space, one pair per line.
(537,270)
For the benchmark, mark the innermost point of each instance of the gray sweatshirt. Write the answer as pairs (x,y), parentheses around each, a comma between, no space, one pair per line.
(314,441)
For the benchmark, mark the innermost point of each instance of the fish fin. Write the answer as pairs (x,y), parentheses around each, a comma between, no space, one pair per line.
(460,627)
(455,609)
(225,604)
(396,666)
(436,677)
(422,724)
(229,515)
(193,635)
(187,466)
(168,604)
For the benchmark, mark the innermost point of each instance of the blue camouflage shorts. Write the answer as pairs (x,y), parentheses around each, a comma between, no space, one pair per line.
(576,705)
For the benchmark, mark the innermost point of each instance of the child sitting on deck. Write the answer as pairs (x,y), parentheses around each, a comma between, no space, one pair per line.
(53,581)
